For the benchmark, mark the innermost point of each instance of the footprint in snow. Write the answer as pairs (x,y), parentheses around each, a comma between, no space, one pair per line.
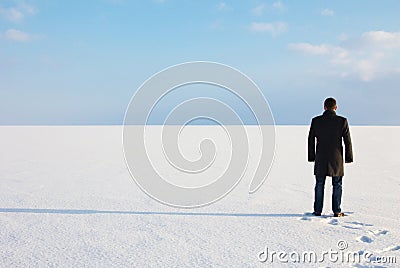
(334,222)
(378,232)
(359,223)
(352,227)
(308,216)
(365,239)
(392,248)
(355,225)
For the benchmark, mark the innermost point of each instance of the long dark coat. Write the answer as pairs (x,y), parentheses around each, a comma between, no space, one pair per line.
(329,129)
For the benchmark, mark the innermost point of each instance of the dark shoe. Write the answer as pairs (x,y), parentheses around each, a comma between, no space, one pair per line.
(316,214)
(340,214)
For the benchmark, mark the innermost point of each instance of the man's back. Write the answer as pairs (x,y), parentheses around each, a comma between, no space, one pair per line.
(329,130)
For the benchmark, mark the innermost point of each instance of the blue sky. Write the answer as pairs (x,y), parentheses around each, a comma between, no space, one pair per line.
(79,62)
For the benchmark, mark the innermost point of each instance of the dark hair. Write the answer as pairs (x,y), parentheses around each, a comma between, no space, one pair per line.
(330,103)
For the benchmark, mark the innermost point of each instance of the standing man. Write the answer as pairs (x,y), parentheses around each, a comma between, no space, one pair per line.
(329,129)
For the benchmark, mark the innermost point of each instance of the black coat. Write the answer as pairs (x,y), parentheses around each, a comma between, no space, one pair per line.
(329,129)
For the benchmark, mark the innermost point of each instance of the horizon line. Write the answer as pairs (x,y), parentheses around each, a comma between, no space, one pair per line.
(193,125)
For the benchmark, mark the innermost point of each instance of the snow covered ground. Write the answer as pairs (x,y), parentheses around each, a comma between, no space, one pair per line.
(67,199)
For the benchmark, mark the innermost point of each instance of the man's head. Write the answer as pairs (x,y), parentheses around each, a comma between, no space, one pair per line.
(330,104)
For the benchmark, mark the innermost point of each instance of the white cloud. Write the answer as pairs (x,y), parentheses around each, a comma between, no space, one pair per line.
(372,55)
(381,38)
(274,29)
(366,69)
(327,12)
(338,54)
(259,10)
(18,36)
(18,13)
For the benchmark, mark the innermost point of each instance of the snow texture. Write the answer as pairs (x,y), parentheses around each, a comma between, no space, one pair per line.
(67,199)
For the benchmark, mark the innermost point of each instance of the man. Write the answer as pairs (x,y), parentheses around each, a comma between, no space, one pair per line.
(329,129)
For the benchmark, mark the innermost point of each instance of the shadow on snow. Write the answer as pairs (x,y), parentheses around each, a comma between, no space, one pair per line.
(89,211)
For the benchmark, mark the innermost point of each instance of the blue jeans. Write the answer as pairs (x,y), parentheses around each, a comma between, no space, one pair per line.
(336,194)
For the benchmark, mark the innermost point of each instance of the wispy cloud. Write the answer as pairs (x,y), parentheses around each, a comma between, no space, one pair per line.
(275,28)
(11,14)
(222,6)
(278,5)
(371,55)
(17,36)
(259,10)
(17,13)
(327,12)
(310,49)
